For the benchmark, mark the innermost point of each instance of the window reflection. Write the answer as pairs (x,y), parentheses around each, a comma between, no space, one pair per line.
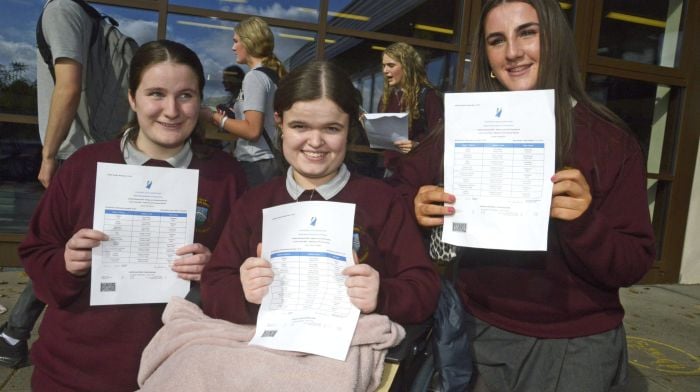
(646,32)
(436,20)
(362,59)
(297,10)
(212,40)
(646,108)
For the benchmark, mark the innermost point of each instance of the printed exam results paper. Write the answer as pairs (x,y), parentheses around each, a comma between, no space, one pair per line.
(148,213)
(383,129)
(499,158)
(307,308)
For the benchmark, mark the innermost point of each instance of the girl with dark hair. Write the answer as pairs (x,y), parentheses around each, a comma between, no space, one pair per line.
(97,348)
(551,321)
(317,111)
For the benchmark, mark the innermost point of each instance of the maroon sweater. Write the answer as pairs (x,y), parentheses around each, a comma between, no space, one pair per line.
(570,290)
(434,113)
(98,348)
(389,242)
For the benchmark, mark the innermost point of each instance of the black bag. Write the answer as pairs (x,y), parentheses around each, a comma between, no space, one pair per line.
(453,360)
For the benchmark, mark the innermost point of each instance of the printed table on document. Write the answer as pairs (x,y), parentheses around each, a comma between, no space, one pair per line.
(143,237)
(510,170)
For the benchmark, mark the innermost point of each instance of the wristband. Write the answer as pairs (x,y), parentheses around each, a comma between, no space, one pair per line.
(222,122)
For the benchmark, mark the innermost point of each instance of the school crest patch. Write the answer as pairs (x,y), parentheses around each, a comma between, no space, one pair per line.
(201,223)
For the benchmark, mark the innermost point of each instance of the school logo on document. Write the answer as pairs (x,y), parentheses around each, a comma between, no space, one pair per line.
(201,223)
(499,111)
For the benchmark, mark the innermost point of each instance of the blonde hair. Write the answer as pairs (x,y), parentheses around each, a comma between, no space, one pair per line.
(414,77)
(257,37)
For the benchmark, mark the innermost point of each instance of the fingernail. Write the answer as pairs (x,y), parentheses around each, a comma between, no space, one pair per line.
(452,199)
(451,210)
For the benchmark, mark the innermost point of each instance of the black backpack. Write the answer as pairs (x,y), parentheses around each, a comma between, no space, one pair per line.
(109,57)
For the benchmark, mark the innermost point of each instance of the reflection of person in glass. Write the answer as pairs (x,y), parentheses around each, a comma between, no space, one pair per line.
(551,320)
(233,82)
(407,89)
(316,108)
(97,348)
(253,44)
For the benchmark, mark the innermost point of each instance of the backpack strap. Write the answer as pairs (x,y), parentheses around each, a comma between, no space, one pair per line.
(45,49)
(274,77)
(271,73)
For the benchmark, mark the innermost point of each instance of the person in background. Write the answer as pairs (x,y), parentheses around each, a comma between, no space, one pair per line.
(254,125)
(552,320)
(97,348)
(316,109)
(63,128)
(407,89)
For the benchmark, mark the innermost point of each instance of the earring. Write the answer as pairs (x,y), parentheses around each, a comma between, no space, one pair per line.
(492,75)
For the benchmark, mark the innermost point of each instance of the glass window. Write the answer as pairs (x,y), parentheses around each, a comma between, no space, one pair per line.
(646,32)
(568,8)
(20,158)
(362,59)
(212,40)
(18,57)
(298,10)
(141,25)
(649,110)
(436,20)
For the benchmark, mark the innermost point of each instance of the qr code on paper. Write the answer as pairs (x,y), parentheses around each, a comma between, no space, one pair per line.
(269,333)
(459,227)
(106,287)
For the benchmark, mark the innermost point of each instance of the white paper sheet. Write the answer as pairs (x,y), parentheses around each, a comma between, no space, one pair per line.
(499,158)
(148,213)
(383,129)
(307,308)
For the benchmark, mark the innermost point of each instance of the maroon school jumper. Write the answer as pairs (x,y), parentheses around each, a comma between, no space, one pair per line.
(571,290)
(434,113)
(98,348)
(389,241)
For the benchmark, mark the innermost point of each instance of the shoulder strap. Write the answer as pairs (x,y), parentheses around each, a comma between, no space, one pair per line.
(270,74)
(45,49)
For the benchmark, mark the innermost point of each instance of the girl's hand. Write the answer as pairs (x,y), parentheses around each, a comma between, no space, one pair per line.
(78,251)
(571,195)
(256,277)
(190,267)
(427,205)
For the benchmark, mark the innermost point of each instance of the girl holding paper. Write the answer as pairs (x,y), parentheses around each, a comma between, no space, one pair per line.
(550,320)
(97,348)
(316,109)
(407,89)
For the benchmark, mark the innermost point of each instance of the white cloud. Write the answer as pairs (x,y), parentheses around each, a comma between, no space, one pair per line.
(22,52)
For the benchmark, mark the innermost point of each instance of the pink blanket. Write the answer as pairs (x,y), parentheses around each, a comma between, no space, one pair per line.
(193,352)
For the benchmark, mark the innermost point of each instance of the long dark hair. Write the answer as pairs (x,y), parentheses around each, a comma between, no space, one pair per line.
(162,51)
(558,70)
(321,79)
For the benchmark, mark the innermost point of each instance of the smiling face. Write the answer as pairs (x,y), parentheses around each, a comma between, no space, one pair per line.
(240,50)
(392,70)
(512,34)
(166,104)
(314,138)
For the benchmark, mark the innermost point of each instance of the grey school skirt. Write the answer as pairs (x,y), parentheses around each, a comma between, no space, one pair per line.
(509,362)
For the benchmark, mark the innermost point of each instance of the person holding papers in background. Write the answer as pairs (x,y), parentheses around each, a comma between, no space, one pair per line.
(407,89)
(552,320)
(316,109)
(97,348)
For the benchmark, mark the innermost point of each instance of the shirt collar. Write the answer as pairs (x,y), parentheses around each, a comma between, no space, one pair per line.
(327,190)
(133,156)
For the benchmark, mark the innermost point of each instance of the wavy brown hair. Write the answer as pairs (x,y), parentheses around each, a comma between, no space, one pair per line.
(414,77)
